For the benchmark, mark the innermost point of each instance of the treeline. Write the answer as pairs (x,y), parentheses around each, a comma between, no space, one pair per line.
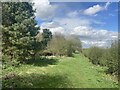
(19,31)
(61,45)
(104,57)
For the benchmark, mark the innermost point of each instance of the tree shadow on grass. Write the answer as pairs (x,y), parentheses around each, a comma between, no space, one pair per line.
(43,61)
(36,81)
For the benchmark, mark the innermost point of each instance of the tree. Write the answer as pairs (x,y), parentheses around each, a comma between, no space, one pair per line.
(42,40)
(57,45)
(75,43)
(19,30)
(62,45)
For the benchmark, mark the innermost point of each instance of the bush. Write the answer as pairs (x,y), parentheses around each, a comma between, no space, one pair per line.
(113,60)
(10,80)
(69,51)
(94,54)
(85,52)
(104,57)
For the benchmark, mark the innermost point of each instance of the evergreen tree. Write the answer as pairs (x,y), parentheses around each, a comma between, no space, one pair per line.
(19,30)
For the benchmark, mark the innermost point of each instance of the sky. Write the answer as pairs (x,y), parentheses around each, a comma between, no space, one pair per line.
(94,23)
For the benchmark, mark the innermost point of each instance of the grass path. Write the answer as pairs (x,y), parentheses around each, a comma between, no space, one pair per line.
(68,72)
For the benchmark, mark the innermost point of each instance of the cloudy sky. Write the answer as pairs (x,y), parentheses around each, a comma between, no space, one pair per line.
(95,23)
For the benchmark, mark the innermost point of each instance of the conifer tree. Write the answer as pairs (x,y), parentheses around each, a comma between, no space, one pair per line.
(19,30)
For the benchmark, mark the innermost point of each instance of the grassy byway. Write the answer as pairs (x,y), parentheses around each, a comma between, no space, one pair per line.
(65,72)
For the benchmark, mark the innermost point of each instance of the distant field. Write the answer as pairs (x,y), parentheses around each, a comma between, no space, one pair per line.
(64,72)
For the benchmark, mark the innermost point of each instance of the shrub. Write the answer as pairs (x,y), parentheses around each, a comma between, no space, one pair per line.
(69,51)
(113,60)
(104,57)
(94,54)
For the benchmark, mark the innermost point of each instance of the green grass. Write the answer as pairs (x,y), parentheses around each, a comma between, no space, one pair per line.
(65,72)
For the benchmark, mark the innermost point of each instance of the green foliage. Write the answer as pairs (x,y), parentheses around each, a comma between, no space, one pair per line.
(57,45)
(42,40)
(69,50)
(11,80)
(104,57)
(113,59)
(95,55)
(60,45)
(19,31)
(75,43)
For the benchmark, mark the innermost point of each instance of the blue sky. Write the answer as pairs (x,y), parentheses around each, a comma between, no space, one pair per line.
(109,16)
(96,22)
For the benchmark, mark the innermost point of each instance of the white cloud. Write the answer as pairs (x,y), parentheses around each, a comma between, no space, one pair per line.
(90,36)
(72,22)
(88,43)
(95,9)
(89,11)
(73,14)
(58,30)
(98,22)
(107,5)
(50,24)
(54,27)
(44,10)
